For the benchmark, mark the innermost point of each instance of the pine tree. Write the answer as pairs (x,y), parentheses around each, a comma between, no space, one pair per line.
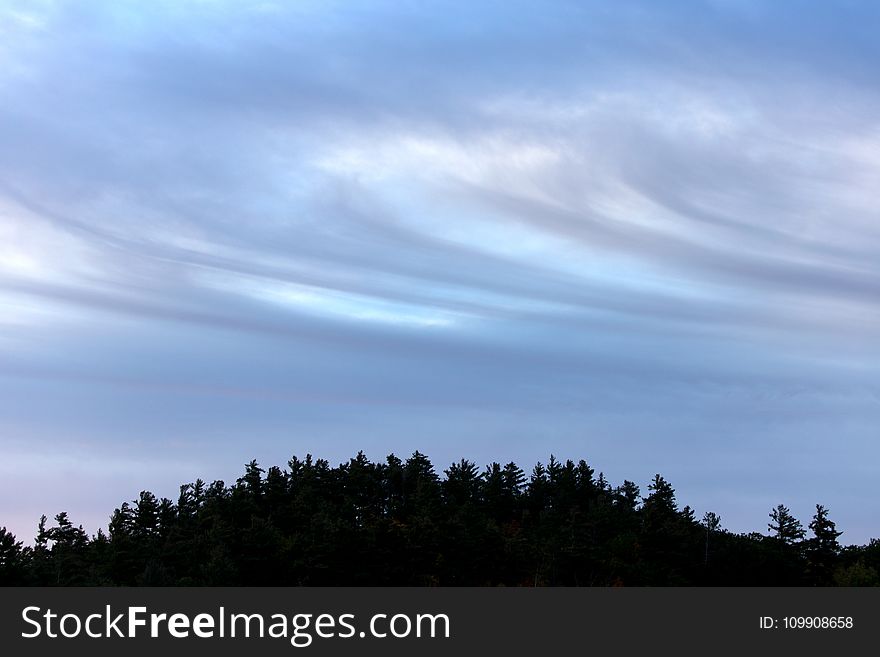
(627,495)
(252,481)
(12,562)
(462,484)
(661,499)
(68,551)
(146,516)
(823,548)
(784,527)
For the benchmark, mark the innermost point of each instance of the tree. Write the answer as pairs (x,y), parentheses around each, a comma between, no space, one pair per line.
(252,480)
(784,527)
(825,532)
(711,521)
(12,563)
(665,535)
(69,548)
(661,497)
(822,548)
(146,516)
(627,495)
(463,483)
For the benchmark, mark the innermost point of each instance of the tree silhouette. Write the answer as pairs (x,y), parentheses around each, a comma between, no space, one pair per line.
(784,527)
(711,521)
(822,548)
(12,559)
(397,522)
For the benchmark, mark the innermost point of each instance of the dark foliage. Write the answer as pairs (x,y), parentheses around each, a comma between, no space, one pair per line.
(399,523)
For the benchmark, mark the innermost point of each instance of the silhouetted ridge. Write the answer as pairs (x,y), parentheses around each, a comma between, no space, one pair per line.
(399,523)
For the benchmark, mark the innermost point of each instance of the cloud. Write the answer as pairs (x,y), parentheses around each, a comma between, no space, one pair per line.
(643,235)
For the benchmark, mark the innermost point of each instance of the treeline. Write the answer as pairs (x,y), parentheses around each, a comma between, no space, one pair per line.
(399,523)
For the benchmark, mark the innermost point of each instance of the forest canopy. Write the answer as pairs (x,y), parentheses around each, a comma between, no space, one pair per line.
(399,522)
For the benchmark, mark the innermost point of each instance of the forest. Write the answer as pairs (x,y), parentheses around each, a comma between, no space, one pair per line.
(399,522)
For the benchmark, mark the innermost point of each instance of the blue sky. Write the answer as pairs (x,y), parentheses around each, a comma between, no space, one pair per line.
(645,234)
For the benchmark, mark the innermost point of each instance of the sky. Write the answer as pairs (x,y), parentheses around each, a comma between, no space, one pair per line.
(643,234)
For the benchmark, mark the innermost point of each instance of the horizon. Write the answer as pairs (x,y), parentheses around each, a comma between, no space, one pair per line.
(442,472)
(641,235)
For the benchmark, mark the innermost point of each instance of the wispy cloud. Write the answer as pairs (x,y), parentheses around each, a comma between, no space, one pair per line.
(642,234)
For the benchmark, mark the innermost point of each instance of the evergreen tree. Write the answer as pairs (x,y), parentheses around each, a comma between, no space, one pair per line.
(784,527)
(661,499)
(462,484)
(12,560)
(627,495)
(69,544)
(823,548)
